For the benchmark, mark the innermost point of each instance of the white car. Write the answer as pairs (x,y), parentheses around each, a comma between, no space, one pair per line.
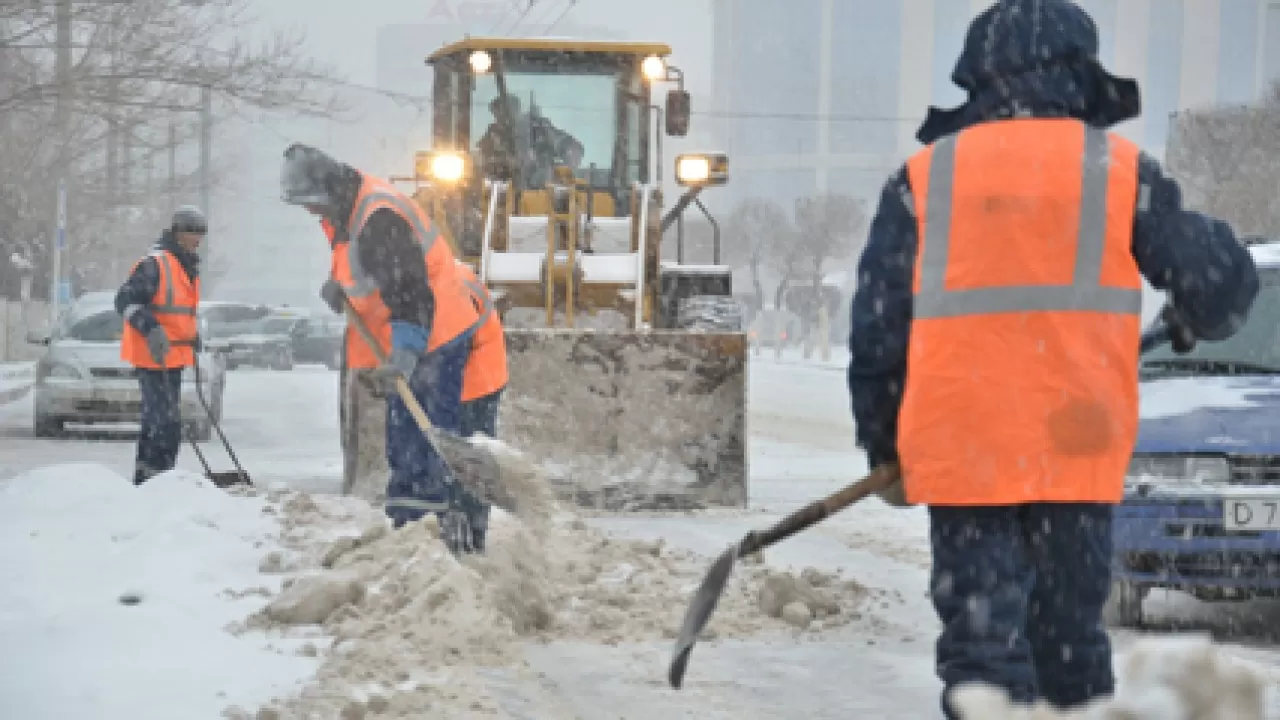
(81,378)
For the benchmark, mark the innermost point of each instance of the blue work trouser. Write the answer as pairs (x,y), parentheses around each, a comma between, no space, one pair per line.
(480,416)
(1020,591)
(420,481)
(160,434)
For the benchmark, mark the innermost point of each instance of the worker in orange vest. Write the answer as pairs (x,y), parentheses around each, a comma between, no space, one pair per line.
(995,335)
(402,279)
(483,380)
(160,337)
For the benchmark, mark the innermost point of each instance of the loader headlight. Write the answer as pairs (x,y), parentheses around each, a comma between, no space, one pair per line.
(480,62)
(1170,470)
(702,169)
(654,68)
(442,166)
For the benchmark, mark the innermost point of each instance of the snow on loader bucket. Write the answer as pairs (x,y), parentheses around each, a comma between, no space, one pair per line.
(618,419)
(631,420)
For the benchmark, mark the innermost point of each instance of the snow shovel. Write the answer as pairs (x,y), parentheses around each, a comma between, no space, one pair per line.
(220,479)
(713,585)
(495,472)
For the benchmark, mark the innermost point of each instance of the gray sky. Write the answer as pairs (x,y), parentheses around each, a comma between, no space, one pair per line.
(683,24)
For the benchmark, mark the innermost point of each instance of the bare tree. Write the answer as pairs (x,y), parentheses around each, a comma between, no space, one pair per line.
(757,226)
(1228,162)
(828,227)
(131,94)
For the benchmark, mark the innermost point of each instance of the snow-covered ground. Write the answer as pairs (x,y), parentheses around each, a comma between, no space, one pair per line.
(77,537)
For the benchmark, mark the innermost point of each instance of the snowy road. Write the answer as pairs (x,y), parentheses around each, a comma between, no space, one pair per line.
(283,427)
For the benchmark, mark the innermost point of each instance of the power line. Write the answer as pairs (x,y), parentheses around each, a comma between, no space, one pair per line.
(528,6)
(552,26)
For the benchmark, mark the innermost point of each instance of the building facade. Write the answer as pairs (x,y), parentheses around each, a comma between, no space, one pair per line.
(826,95)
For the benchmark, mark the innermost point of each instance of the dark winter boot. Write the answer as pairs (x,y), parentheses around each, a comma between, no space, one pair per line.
(456,532)
(142,473)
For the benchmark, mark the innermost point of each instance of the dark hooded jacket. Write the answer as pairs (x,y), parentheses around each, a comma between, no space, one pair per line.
(388,252)
(1033,58)
(140,287)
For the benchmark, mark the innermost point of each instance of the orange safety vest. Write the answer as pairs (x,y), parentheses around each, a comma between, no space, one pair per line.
(174,306)
(486,369)
(1022,371)
(454,312)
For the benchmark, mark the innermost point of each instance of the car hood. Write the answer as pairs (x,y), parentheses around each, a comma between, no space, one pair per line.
(249,339)
(1237,414)
(87,354)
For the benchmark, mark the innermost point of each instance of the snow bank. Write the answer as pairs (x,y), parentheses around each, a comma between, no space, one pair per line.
(115,597)
(407,628)
(1170,678)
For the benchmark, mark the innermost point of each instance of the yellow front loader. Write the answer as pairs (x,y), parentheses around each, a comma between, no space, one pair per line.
(628,370)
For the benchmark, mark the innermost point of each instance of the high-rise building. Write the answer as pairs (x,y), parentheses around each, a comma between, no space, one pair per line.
(826,95)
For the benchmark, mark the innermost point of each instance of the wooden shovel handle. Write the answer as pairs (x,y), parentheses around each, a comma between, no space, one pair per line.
(819,510)
(402,385)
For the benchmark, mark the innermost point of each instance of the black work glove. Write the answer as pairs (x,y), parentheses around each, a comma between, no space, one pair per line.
(1181,339)
(197,344)
(158,345)
(332,295)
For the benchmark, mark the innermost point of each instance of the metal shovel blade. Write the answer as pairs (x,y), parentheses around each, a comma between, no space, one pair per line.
(699,612)
(227,479)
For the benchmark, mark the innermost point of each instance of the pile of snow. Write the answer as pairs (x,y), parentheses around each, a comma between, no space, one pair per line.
(114,599)
(405,628)
(1171,678)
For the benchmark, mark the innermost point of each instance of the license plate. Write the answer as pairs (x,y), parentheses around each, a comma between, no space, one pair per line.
(1251,513)
(117,396)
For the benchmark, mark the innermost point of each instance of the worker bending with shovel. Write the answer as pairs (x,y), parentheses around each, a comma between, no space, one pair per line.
(401,279)
(995,338)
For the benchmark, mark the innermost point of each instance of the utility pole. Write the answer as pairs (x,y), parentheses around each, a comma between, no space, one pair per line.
(172,187)
(206,153)
(62,122)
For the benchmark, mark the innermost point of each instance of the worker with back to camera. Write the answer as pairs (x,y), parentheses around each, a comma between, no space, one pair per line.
(995,338)
(160,338)
(402,279)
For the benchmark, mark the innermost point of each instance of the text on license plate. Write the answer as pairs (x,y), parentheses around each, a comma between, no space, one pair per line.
(1251,513)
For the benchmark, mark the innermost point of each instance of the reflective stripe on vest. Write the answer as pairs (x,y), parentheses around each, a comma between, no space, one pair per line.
(164,263)
(363,283)
(478,291)
(1085,293)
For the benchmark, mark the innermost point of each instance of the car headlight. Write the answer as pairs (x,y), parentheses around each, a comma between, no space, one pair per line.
(1178,470)
(52,369)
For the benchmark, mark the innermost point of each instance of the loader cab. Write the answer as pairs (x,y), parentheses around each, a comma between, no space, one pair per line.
(531,111)
(545,170)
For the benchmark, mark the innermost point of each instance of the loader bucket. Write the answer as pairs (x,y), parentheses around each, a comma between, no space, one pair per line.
(631,420)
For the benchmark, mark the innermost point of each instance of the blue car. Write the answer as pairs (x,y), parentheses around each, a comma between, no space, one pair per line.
(1202,498)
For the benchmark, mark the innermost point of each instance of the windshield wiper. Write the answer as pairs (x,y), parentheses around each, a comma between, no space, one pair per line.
(1211,366)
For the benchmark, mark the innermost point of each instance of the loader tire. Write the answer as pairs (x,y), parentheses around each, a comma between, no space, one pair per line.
(710,313)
